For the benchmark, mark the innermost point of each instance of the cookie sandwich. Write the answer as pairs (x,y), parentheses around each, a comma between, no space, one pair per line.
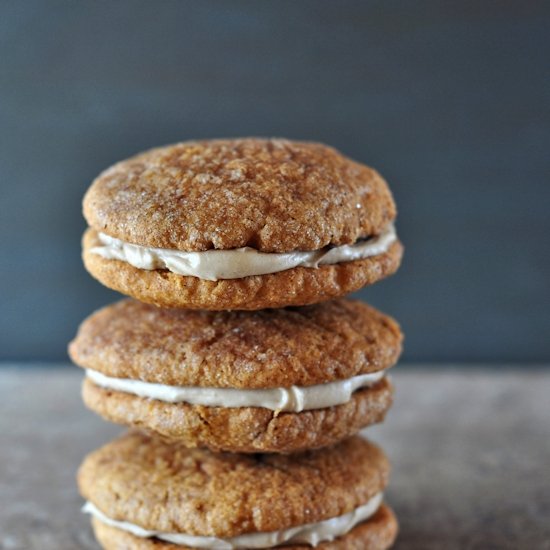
(279,380)
(239,224)
(143,493)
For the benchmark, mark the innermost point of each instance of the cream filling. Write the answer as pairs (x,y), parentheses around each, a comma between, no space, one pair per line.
(311,533)
(293,399)
(213,265)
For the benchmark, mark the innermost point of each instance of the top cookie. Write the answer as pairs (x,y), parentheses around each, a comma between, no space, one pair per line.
(272,195)
(239,224)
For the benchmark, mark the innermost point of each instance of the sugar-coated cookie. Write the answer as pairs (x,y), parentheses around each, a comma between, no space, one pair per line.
(265,381)
(144,493)
(239,224)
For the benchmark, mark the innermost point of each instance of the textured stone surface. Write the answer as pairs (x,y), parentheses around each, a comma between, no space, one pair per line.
(470,453)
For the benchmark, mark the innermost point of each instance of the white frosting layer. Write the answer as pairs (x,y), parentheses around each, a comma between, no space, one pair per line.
(312,533)
(293,399)
(213,265)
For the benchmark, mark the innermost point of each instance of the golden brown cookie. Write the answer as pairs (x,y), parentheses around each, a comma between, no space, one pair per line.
(234,349)
(243,429)
(141,491)
(287,217)
(273,195)
(265,381)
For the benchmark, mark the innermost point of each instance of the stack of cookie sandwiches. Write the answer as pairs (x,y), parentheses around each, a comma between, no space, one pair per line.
(242,372)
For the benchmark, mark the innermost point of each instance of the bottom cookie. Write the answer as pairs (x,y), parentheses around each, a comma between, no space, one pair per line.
(377,533)
(146,493)
(245,429)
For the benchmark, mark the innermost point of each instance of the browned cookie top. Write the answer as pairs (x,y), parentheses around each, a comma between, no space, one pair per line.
(169,488)
(273,195)
(261,349)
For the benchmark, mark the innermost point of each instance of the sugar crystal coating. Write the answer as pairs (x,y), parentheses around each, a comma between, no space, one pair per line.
(274,195)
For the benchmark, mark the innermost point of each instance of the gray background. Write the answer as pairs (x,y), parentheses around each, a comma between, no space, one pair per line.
(449,100)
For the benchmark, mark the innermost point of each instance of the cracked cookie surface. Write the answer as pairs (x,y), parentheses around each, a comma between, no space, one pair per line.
(265,349)
(173,489)
(273,195)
